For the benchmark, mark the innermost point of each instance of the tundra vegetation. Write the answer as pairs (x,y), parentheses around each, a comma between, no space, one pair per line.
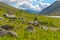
(28,26)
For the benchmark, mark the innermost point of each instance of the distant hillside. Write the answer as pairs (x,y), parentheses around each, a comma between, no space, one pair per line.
(8,8)
(53,9)
(4,6)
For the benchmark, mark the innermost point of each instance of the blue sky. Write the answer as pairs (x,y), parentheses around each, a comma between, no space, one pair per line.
(36,5)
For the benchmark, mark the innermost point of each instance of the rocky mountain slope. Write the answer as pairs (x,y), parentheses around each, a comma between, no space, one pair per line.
(53,9)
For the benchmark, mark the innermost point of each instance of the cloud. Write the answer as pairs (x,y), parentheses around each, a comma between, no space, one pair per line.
(44,5)
(13,0)
(28,4)
(47,4)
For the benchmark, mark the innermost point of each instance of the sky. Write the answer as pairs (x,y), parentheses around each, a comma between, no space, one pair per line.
(35,5)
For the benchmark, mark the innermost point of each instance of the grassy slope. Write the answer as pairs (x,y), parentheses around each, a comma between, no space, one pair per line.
(39,34)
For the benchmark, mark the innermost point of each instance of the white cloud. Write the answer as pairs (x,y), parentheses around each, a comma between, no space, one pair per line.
(13,0)
(28,4)
(44,5)
(47,4)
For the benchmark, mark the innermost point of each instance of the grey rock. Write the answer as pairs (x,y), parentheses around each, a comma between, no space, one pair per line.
(2,32)
(10,15)
(30,28)
(7,27)
(12,33)
(36,23)
(45,27)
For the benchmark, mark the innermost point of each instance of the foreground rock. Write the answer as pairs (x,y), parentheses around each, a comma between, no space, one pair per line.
(2,32)
(7,27)
(12,33)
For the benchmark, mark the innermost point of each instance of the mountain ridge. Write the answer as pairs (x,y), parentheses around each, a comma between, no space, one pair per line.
(52,9)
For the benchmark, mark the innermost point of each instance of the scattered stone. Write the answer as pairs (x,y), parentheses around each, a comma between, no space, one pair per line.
(35,19)
(10,15)
(12,33)
(30,28)
(1,18)
(36,23)
(7,27)
(50,28)
(54,29)
(2,32)
(45,27)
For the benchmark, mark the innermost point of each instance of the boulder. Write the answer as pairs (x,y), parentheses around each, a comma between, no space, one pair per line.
(30,28)
(35,19)
(12,33)
(36,23)
(45,28)
(5,30)
(7,27)
(2,32)
(10,15)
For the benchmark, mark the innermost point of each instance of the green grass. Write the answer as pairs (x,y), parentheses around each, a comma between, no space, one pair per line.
(39,34)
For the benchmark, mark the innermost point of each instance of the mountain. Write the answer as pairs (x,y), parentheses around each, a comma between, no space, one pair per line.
(53,9)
